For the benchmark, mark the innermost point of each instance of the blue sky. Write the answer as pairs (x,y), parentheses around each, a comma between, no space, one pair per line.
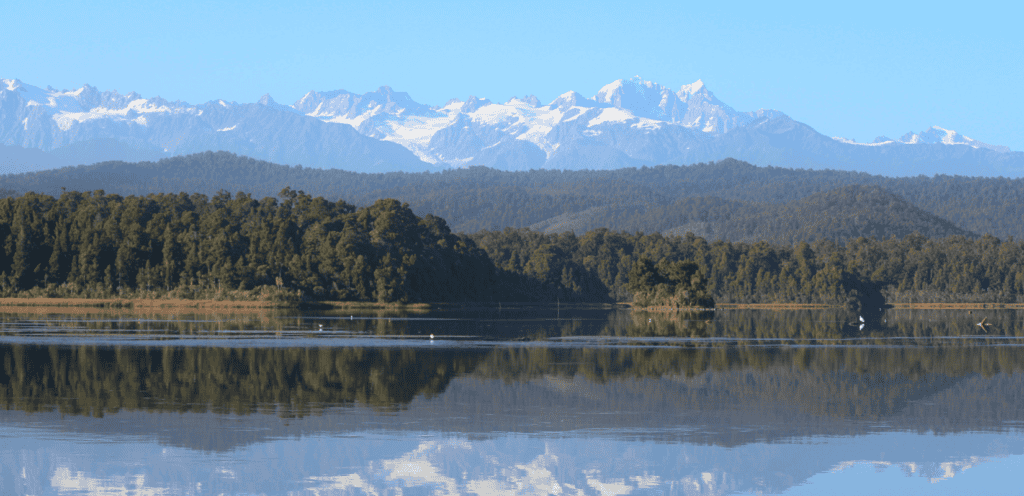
(857,70)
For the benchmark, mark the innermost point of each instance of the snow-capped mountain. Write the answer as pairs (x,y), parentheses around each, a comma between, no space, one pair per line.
(522,133)
(629,122)
(936,134)
(933,135)
(85,126)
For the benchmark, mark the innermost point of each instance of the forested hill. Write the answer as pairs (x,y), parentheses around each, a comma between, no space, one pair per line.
(729,199)
(842,214)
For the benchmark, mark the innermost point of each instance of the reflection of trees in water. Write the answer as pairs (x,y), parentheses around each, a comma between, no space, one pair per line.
(94,380)
(602,365)
(961,386)
(828,381)
(928,323)
(744,324)
(760,356)
(810,325)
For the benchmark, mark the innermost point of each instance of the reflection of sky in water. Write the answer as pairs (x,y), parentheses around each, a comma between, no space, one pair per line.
(43,461)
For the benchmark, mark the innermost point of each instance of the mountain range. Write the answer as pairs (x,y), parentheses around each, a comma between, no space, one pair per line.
(628,123)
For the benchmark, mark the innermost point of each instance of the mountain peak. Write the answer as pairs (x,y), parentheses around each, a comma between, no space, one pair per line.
(692,88)
(473,103)
(639,81)
(530,100)
(571,99)
(938,135)
(642,98)
(11,84)
(635,84)
(267,100)
(610,88)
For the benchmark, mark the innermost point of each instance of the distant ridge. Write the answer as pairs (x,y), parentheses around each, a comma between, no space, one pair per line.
(728,199)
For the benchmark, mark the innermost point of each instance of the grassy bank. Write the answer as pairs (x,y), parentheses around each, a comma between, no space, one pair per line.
(775,306)
(227,304)
(957,306)
(178,303)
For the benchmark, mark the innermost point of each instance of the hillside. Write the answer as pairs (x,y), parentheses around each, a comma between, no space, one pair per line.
(841,214)
(728,199)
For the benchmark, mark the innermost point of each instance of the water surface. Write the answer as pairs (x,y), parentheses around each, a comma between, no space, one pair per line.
(511,400)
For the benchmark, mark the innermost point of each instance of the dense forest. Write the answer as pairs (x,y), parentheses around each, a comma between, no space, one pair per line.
(194,246)
(302,248)
(728,200)
(913,268)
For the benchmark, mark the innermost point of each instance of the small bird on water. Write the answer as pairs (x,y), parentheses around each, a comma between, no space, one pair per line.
(982,324)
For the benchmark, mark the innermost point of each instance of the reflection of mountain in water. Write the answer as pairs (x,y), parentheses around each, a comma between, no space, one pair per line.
(419,462)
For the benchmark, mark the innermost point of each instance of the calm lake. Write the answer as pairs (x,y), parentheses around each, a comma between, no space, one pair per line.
(511,400)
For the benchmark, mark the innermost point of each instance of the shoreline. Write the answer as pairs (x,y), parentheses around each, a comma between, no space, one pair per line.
(242,305)
(956,306)
(176,304)
(776,306)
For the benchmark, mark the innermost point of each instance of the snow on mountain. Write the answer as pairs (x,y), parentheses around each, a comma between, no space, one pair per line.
(932,136)
(877,142)
(629,122)
(457,132)
(935,134)
(87,103)
(86,125)
(571,99)
(640,98)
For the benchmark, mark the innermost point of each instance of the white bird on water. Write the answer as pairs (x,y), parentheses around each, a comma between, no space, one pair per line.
(321,327)
(431,336)
(860,323)
(982,324)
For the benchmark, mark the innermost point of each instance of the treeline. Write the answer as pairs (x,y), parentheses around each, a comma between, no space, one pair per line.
(709,196)
(306,248)
(861,271)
